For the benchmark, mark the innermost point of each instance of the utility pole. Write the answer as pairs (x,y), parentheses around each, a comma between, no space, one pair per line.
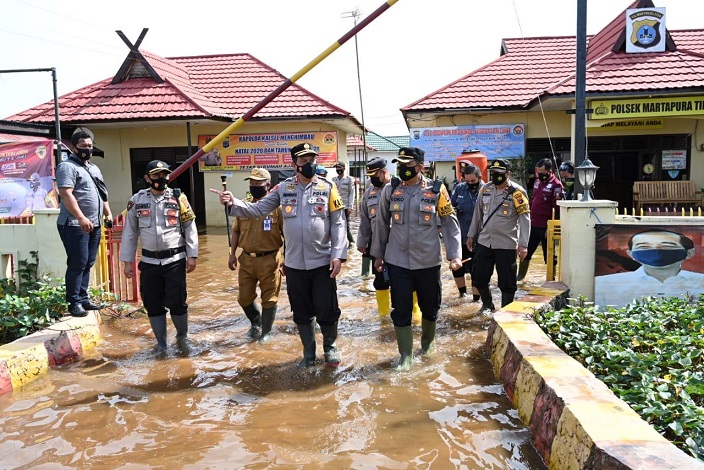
(356,14)
(580,134)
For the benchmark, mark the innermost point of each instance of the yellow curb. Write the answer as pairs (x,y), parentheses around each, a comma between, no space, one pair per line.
(28,358)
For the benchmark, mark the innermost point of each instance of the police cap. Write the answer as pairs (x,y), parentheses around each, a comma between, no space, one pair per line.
(155,166)
(500,165)
(259,174)
(302,149)
(408,154)
(375,165)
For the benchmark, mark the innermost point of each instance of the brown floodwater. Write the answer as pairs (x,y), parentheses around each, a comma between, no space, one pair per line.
(229,402)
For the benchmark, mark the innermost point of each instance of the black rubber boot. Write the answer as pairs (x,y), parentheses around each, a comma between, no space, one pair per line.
(427,337)
(307,333)
(522,270)
(268,317)
(181,324)
(255,317)
(159,328)
(332,355)
(507,298)
(487,302)
(404,338)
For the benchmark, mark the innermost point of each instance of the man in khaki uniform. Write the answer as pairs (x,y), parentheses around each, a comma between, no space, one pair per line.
(261,260)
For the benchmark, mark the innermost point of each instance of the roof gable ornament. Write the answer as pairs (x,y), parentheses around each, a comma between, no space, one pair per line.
(135,65)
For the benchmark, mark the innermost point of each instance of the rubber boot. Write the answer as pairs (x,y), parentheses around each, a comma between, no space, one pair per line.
(332,355)
(366,267)
(487,302)
(159,328)
(507,298)
(383,302)
(416,313)
(181,324)
(307,333)
(522,270)
(255,317)
(427,337)
(268,317)
(404,338)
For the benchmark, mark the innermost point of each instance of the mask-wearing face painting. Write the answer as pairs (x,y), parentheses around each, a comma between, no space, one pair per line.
(659,258)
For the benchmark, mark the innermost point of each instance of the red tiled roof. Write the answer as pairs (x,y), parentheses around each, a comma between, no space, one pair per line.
(530,68)
(218,86)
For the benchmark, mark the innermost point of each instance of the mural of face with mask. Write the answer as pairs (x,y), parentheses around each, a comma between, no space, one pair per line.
(659,248)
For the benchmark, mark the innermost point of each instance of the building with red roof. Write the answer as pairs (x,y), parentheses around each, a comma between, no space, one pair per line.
(635,132)
(166,108)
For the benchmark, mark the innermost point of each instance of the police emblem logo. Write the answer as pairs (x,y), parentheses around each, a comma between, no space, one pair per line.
(428,194)
(396,217)
(426,208)
(396,206)
(319,209)
(427,217)
(372,211)
(130,205)
(290,187)
(398,192)
(505,212)
(288,209)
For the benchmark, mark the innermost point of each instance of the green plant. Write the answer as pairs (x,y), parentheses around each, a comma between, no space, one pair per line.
(649,353)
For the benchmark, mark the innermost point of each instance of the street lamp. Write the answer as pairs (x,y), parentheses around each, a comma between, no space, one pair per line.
(586,175)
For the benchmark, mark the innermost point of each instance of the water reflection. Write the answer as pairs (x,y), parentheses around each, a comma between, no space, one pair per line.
(232,403)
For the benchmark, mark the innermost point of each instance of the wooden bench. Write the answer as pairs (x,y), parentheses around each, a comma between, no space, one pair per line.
(665,193)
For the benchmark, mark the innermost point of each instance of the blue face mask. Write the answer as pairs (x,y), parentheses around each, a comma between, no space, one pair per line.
(659,258)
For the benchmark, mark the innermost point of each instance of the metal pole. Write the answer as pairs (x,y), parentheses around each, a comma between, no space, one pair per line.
(248,115)
(580,90)
(57,156)
(190,169)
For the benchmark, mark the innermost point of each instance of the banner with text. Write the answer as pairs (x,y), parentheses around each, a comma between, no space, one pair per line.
(26,177)
(270,151)
(444,144)
(647,107)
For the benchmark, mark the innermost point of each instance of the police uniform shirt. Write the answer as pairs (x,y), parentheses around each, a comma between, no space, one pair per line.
(260,234)
(464,200)
(405,232)
(369,208)
(345,185)
(509,227)
(160,222)
(314,223)
(72,174)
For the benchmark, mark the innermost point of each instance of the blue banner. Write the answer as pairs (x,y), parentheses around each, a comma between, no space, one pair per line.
(444,144)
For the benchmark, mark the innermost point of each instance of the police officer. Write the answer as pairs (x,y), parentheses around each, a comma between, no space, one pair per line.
(314,229)
(346,187)
(405,239)
(500,229)
(463,199)
(379,177)
(261,260)
(163,221)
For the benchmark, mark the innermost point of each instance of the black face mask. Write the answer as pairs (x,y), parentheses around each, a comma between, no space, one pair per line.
(376,181)
(257,192)
(543,177)
(473,186)
(158,184)
(406,174)
(340,172)
(84,154)
(307,170)
(498,178)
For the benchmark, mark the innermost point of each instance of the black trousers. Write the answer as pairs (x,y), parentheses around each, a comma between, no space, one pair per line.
(467,265)
(505,261)
(312,294)
(162,287)
(425,282)
(537,237)
(380,278)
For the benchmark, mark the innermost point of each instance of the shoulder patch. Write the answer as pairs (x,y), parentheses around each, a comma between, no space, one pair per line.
(130,205)
(335,201)
(185,209)
(520,202)
(444,206)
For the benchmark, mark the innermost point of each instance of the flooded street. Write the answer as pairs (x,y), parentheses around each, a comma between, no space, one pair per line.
(233,403)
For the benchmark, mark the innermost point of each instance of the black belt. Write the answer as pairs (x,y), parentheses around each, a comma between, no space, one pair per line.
(259,255)
(163,254)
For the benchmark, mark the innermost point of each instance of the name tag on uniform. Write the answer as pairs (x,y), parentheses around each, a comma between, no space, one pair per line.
(267,224)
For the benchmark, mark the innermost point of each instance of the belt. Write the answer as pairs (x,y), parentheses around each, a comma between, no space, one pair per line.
(163,254)
(259,255)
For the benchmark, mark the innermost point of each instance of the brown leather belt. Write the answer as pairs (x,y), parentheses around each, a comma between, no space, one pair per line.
(259,255)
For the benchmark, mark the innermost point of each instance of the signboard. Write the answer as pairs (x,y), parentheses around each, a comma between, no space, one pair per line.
(270,151)
(674,159)
(647,107)
(26,177)
(444,144)
(627,125)
(634,261)
(645,30)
